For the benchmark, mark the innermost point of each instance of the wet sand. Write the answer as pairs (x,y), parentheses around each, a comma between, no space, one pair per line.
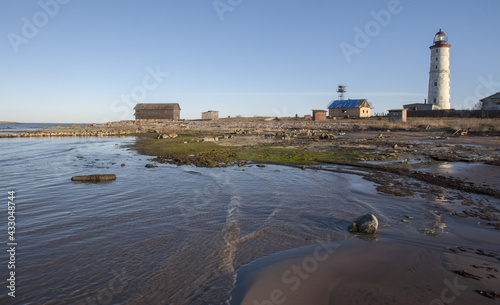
(477,173)
(393,267)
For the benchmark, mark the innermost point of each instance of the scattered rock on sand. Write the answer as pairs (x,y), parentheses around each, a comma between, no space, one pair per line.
(364,224)
(151,166)
(468,275)
(167,136)
(489,294)
(94,178)
(325,136)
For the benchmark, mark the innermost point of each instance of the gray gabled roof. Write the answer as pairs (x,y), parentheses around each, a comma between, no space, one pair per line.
(496,95)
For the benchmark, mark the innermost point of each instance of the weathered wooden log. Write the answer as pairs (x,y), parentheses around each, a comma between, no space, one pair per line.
(94,178)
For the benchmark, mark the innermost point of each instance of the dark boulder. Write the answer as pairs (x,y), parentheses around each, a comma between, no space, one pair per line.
(365,224)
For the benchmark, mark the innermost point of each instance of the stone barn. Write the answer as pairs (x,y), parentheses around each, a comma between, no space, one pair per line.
(350,109)
(491,102)
(210,115)
(170,111)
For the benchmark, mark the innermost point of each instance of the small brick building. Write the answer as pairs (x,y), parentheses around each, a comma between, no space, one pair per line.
(319,115)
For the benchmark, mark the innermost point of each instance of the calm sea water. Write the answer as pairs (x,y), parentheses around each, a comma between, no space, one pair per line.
(14,128)
(168,235)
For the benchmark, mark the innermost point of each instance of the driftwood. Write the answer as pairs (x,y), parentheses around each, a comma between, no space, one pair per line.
(94,178)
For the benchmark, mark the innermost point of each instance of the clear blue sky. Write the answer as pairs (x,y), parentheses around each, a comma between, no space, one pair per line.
(73,61)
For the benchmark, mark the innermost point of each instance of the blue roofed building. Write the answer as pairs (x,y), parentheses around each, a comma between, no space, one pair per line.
(349,109)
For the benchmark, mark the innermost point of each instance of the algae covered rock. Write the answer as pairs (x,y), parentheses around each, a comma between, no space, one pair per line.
(94,178)
(364,224)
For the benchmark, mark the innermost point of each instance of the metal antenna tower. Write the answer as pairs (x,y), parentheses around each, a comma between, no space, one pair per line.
(341,90)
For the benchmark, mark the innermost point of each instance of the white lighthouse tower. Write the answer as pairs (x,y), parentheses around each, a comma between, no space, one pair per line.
(439,75)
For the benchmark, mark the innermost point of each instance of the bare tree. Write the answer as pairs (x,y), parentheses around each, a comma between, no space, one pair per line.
(477,106)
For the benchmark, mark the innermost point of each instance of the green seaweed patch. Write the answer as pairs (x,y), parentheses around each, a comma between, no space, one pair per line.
(192,150)
(186,150)
(279,155)
(180,145)
(214,158)
(350,155)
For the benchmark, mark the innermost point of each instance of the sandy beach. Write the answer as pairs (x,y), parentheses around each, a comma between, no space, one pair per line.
(394,268)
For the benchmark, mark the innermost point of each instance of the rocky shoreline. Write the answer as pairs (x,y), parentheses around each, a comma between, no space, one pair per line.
(400,150)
